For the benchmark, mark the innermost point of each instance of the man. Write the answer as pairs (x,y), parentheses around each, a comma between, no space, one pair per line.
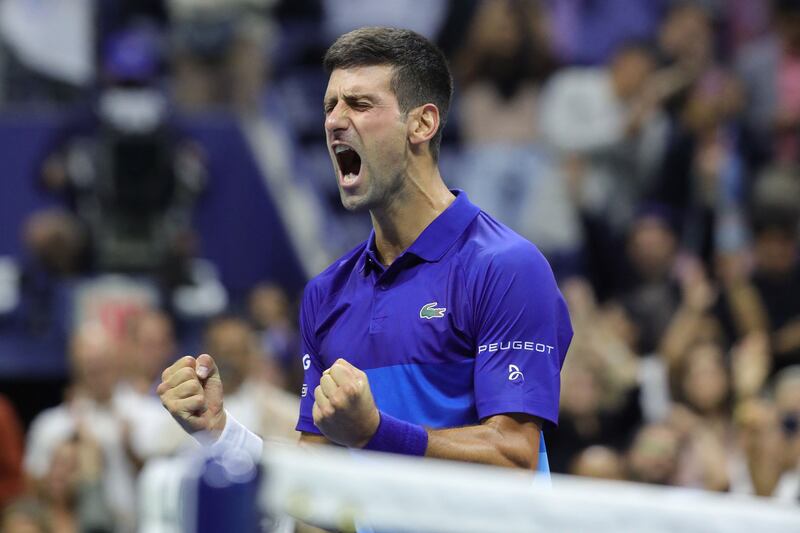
(444,333)
(89,406)
(147,345)
(257,404)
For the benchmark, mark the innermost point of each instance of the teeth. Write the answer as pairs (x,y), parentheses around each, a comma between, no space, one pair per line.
(339,148)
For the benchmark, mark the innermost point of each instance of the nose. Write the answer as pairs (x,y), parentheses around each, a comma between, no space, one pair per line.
(336,118)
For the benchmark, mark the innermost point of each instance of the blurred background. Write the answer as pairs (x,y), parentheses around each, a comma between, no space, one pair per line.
(165,189)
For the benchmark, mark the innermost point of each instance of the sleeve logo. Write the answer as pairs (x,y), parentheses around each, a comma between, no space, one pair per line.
(528,346)
(430,311)
(306,362)
(515,374)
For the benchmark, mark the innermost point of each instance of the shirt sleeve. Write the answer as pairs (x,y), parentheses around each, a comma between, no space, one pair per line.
(312,366)
(523,333)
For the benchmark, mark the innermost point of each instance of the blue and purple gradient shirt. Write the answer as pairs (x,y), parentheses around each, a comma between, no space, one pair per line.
(467,323)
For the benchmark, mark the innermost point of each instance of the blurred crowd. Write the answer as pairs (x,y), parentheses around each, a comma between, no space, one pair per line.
(650,148)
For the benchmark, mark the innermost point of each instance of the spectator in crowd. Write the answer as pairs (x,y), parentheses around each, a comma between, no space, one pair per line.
(608,119)
(689,320)
(598,462)
(220,52)
(148,346)
(686,40)
(651,296)
(653,456)
(702,418)
(272,315)
(704,177)
(128,174)
(26,515)
(763,448)
(55,250)
(501,68)
(601,387)
(776,278)
(56,242)
(770,69)
(580,422)
(72,489)
(787,404)
(11,447)
(250,398)
(88,409)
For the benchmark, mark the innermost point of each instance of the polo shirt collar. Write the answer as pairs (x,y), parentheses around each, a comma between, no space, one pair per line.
(438,237)
(369,255)
(440,234)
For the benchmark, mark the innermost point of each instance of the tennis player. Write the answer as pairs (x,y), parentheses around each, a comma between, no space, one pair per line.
(444,333)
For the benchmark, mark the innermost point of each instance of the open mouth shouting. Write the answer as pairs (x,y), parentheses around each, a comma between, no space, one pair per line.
(349,162)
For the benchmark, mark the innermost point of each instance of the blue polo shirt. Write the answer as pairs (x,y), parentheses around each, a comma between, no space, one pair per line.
(467,323)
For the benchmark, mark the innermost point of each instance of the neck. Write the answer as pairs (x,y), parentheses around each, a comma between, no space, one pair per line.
(397,224)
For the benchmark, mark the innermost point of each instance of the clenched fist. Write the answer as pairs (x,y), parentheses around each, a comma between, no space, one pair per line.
(191,390)
(343,406)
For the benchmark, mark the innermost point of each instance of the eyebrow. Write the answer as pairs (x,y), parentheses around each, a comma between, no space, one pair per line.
(349,98)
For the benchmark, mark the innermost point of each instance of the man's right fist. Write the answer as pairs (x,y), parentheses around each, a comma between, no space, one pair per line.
(191,390)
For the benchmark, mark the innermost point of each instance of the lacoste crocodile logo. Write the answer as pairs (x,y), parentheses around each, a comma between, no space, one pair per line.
(430,310)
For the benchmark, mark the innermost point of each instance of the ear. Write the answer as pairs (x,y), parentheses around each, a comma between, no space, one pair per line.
(423,124)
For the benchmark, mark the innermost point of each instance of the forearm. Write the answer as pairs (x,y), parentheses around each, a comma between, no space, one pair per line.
(680,334)
(504,440)
(787,339)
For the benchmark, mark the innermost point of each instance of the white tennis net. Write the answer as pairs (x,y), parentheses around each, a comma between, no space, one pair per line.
(340,489)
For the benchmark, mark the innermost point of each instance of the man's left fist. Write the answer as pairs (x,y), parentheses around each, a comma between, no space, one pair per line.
(343,406)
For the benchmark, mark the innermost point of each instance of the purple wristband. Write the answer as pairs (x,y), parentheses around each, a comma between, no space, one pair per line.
(398,436)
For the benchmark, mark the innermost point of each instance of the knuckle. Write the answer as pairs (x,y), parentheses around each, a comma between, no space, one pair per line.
(194,403)
(350,389)
(338,402)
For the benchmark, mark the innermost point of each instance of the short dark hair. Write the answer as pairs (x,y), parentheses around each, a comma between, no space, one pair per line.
(420,76)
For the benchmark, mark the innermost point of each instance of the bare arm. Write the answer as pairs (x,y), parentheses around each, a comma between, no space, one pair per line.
(502,440)
(313,438)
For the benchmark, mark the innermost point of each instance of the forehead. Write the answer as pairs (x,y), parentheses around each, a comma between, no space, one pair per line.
(360,80)
(228,333)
